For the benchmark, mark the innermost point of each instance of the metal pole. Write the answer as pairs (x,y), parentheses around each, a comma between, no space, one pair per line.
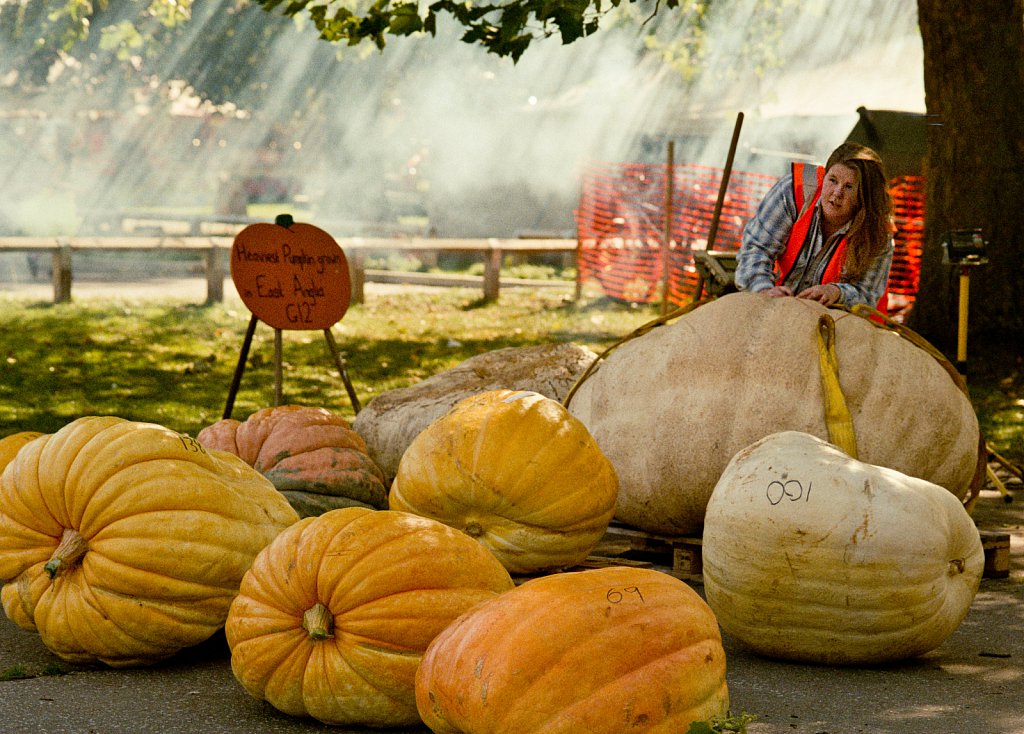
(961,341)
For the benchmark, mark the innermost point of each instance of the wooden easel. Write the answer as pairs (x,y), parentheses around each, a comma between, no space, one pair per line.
(236,380)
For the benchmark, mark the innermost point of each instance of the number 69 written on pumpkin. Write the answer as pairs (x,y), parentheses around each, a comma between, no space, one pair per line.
(615,596)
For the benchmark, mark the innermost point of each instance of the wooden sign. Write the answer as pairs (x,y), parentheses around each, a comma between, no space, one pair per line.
(291,275)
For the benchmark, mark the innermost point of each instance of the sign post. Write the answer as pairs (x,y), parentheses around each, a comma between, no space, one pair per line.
(291,276)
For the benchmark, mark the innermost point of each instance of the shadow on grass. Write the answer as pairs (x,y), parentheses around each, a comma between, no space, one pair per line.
(174,365)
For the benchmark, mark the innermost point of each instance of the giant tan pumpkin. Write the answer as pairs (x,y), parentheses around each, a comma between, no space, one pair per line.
(516,471)
(310,454)
(811,555)
(124,542)
(335,614)
(672,407)
(603,651)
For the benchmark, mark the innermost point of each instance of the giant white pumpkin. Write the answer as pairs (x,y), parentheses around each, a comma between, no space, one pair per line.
(811,555)
(671,408)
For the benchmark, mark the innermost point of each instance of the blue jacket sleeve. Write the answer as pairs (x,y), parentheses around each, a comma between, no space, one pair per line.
(765,236)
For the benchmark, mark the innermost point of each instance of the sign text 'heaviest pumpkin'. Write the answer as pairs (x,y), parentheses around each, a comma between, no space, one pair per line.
(291,275)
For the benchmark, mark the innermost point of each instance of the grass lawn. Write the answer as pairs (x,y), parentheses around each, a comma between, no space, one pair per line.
(172,363)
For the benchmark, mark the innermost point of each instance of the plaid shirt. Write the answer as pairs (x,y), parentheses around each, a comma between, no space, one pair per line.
(764,241)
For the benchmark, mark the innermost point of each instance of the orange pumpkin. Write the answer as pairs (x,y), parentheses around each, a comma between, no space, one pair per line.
(311,455)
(124,542)
(603,651)
(515,470)
(335,613)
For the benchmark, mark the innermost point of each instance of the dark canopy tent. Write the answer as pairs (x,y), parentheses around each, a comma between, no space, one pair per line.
(899,138)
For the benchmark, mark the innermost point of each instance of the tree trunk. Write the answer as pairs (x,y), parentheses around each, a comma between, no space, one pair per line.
(974,82)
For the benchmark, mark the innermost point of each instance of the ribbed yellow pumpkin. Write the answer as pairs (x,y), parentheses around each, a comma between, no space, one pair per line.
(10,445)
(811,555)
(517,472)
(335,614)
(604,651)
(124,542)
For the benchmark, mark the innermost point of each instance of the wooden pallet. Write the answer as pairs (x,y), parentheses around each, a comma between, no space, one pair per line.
(624,546)
(997,554)
(682,556)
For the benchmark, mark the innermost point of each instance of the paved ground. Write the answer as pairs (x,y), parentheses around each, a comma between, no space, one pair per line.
(972,684)
(190,290)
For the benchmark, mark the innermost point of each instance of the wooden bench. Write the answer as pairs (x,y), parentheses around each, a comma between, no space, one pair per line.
(215,251)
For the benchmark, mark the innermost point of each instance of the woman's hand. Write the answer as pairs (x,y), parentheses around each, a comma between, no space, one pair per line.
(825,294)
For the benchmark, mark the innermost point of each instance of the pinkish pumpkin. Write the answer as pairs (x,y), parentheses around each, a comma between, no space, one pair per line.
(310,454)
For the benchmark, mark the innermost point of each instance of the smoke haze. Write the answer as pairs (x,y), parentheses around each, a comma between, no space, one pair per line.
(433,135)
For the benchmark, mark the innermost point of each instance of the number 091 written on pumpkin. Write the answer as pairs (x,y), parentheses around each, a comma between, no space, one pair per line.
(791,490)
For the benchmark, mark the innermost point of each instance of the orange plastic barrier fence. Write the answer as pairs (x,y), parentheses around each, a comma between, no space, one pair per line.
(620,225)
(908,214)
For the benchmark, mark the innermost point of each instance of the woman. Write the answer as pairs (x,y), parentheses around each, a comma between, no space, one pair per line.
(823,233)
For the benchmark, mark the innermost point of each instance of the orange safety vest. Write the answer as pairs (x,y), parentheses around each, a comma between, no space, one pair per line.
(807,191)
(804,185)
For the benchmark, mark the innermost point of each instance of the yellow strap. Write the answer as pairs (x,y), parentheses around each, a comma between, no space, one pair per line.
(837,415)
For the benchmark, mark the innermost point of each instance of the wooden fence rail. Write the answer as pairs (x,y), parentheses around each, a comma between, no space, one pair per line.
(215,251)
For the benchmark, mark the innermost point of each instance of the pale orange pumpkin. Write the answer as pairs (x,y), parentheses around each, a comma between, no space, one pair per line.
(310,454)
(334,615)
(123,542)
(515,470)
(603,651)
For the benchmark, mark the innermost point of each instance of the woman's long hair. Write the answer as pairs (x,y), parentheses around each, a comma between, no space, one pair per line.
(871,225)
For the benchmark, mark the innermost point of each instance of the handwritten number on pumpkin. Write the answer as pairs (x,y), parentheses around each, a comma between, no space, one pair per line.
(191,445)
(615,596)
(792,490)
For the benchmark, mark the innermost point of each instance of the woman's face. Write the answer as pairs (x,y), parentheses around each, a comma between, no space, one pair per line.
(839,194)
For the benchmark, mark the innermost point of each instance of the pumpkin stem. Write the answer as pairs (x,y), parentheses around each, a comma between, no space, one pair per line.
(473,529)
(957,565)
(71,548)
(318,622)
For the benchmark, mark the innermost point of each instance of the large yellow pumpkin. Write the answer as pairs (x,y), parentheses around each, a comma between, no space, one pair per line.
(124,542)
(10,445)
(516,471)
(335,614)
(811,555)
(310,454)
(603,651)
